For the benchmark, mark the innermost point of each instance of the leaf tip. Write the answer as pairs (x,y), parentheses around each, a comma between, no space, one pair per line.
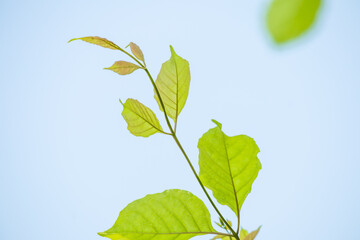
(103,234)
(217,123)
(172,50)
(72,40)
(121,102)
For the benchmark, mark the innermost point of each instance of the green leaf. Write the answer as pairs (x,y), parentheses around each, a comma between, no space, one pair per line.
(103,42)
(172,214)
(223,225)
(252,235)
(173,83)
(222,222)
(140,119)
(230,224)
(123,68)
(135,49)
(288,19)
(222,237)
(243,233)
(220,225)
(228,166)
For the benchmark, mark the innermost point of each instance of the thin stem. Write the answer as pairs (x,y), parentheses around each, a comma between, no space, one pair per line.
(166,133)
(156,89)
(219,233)
(175,125)
(203,188)
(131,57)
(238,225)
(161,101)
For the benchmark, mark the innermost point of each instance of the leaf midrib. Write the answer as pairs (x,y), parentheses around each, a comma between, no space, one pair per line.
(218,233)
(147,121)
(177,92)
(232,180)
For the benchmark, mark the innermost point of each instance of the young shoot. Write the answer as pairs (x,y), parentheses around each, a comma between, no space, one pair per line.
(228,165)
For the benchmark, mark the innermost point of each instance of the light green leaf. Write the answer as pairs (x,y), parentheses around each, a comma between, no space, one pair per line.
(230,224)
(288,19)
(228,166)
(103,42)
(173,83)
(140,119)
(220,225)
(123,68)
(252,235)
(135,49)
(223,225)
(243,233)
(222,237)
(172,214)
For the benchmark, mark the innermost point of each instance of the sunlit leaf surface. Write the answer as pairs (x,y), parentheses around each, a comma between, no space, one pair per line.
(173,83)
(135,49)
(228,166)
(252,235)
(173,214)
(103,42)
(140,119)
(123,67)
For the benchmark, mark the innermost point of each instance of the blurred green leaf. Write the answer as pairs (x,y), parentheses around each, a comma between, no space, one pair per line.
(288,19)
(228,166)
(140,119)
(172,214)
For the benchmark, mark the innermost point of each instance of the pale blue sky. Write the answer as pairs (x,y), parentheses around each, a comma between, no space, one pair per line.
(68,165)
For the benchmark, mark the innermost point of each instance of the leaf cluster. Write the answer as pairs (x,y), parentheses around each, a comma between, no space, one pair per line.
(228,164)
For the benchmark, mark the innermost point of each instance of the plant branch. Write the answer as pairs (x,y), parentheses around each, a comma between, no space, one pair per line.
(161,101)
(203,188)
(238,225)
(234,234)
(122,50)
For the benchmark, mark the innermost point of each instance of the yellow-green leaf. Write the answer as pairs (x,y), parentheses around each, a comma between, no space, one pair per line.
(288,19)
(222,237)
(223,225)
(228,166)
(103,42)
(135,49)
(252,235)
(173,83)
(243,233)
(123,67)
(173,214)
(140,119)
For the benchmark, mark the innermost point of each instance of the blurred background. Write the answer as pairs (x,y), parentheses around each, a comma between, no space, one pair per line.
(68,165)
